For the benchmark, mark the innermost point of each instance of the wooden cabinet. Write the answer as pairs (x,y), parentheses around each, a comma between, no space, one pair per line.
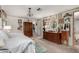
(53,37)
(27,27)
(58,38)
(65,37)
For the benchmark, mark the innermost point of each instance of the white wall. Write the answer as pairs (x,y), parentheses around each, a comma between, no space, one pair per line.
(39,28)
(13,21)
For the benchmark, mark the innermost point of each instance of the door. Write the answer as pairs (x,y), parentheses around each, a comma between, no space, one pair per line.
(28,29)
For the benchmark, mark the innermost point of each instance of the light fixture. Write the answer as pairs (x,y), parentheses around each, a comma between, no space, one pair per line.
(30,14)
(38,9)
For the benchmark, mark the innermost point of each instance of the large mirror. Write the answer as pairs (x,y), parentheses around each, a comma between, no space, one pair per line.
(50,24)
(76,28)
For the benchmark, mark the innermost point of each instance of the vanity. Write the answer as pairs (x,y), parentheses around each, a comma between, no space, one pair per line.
(59,37)
(53,37)
(57,30)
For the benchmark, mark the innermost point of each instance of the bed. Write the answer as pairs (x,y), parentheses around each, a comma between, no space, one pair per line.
(16,42)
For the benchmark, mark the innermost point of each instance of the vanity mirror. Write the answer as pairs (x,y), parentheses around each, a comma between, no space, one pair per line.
(50,23)
(76,28)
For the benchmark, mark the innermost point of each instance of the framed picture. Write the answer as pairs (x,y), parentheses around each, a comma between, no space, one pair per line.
(20,24)
(19,20)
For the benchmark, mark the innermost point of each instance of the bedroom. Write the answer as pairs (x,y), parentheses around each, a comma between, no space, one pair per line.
(43,28)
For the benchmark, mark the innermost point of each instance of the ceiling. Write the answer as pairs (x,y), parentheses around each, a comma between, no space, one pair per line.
(46,10)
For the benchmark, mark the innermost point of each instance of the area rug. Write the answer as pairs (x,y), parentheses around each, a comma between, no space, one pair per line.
(40,49)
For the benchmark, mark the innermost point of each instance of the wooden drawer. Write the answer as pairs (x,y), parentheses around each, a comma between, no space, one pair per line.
(53,37)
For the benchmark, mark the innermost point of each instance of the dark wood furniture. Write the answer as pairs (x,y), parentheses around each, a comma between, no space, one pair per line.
(27,28)
(58,38)
(53,37)
(65,37)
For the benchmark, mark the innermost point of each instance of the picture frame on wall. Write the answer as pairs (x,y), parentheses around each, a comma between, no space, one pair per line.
(19,20)
(20,24)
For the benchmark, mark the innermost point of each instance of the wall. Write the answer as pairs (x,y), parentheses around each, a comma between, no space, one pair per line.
(12,21)
(39,28)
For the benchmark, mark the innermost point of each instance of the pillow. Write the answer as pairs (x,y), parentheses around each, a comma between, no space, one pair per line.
(3,35)
(2,44)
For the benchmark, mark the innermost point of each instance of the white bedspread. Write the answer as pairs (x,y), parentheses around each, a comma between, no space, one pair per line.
(18,43)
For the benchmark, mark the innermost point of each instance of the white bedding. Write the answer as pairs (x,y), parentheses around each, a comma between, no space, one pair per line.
(18,43)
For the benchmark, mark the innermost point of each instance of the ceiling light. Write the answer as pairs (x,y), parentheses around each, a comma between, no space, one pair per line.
(29,13)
